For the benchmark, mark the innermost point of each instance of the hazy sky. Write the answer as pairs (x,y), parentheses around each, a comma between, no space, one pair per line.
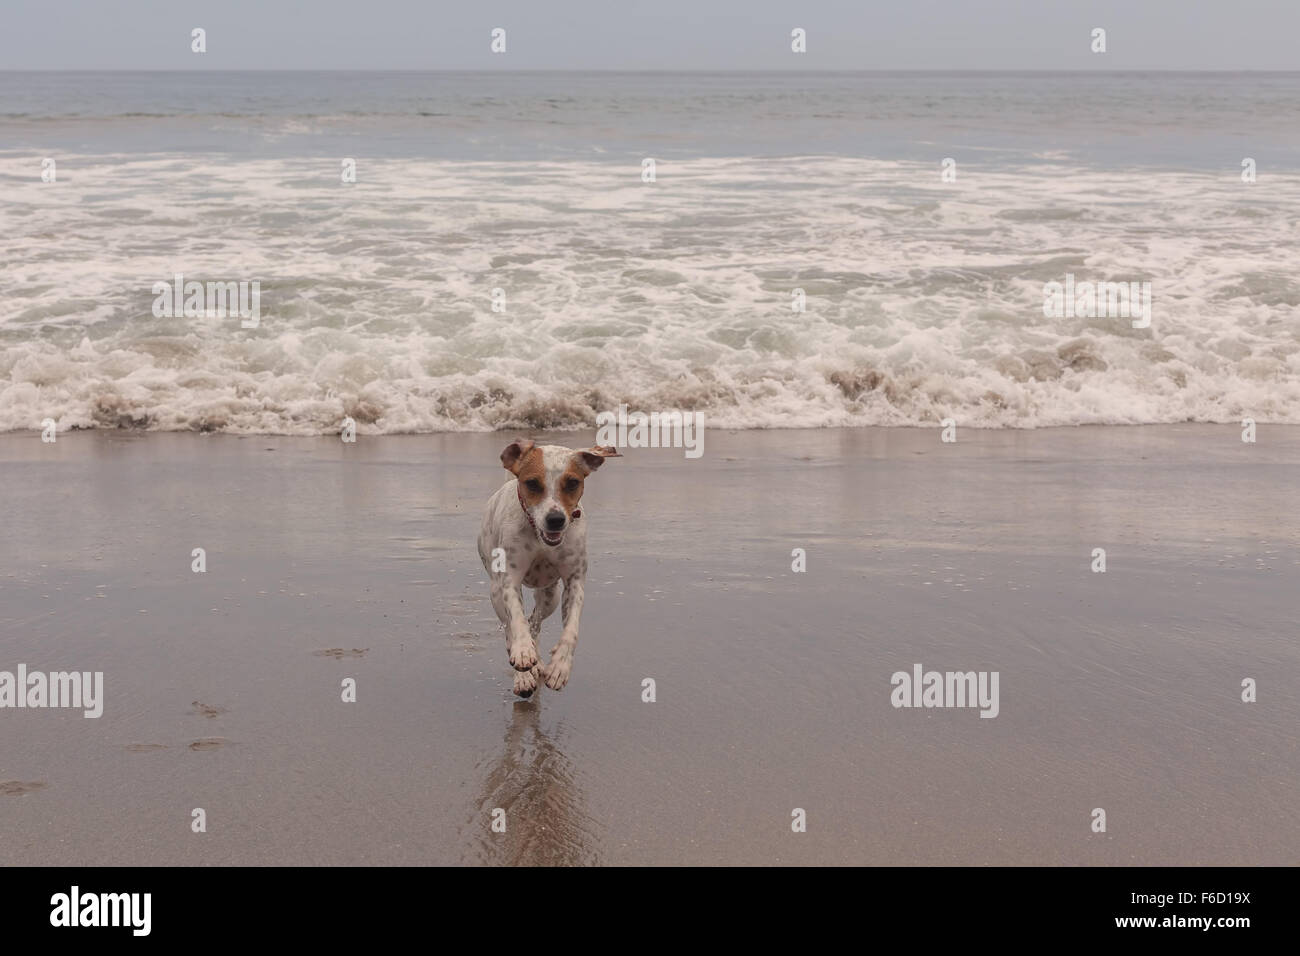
(651,34)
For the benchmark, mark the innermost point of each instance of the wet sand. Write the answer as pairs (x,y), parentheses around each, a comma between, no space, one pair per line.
(325,561)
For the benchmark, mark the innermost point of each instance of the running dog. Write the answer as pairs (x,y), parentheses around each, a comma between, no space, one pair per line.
(534,535)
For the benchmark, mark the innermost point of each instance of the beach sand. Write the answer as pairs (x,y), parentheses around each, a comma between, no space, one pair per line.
(326,561)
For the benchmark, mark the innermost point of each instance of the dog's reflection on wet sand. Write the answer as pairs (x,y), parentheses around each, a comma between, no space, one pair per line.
(534,782)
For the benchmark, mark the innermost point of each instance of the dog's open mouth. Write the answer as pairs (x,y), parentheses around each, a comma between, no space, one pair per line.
(552,537)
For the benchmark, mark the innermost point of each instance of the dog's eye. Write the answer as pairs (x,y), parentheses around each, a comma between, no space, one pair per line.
(533,485)
(571,484)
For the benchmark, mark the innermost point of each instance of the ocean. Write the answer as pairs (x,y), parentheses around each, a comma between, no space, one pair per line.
(502,262)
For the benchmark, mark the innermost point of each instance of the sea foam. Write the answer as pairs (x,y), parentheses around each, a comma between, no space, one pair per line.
(924,299)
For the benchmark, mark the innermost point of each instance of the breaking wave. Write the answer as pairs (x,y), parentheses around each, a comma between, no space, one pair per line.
(924,299)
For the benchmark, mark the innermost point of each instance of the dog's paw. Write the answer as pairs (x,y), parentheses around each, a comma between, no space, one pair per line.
(526,682)
(523,655)
(557,670)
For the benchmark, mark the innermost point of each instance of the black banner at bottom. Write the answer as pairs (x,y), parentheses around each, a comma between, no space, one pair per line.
(337,904)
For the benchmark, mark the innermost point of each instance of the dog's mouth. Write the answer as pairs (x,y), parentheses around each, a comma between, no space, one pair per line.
(552,537)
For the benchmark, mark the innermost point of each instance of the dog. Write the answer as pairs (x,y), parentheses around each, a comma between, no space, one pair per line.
(535,535)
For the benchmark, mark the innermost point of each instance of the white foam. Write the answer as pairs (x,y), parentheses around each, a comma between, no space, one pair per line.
(924,298)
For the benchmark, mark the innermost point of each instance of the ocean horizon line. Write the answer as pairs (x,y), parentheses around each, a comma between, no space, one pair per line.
(748,71)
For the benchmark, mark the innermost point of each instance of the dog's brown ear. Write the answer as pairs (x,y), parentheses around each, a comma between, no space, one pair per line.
(514,453)
(595,456)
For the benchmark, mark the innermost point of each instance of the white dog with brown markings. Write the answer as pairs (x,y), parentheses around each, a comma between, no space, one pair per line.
(534,535)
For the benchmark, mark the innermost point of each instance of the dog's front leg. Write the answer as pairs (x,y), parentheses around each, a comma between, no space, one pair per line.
(508,599)
(556,671)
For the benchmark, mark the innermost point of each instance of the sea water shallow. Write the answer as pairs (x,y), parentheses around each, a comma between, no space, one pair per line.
(325,561)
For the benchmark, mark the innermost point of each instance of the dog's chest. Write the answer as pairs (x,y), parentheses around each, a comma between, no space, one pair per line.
(551,565)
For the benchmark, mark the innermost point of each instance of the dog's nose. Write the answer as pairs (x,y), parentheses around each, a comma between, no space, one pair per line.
(555,521)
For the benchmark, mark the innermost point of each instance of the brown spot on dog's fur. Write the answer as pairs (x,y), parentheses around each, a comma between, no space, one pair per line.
(589,459)
(514,454)
(582,464)
(569,498)
(531,467)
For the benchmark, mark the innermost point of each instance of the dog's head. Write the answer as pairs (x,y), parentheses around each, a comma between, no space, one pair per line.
(550,482)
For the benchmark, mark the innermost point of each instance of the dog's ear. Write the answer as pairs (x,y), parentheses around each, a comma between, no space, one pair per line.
(514,453)
(593,458)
